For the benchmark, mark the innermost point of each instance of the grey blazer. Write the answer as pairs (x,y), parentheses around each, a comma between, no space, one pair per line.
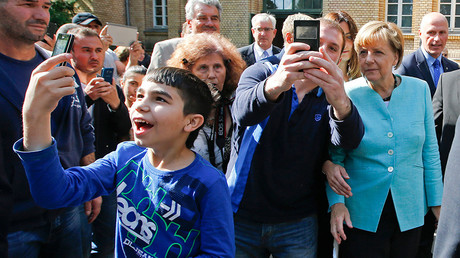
(448,237)
(162,51)
(446,108)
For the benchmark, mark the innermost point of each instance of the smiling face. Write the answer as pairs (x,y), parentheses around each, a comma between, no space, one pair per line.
(206,19)
(88,55)
(376,63)
(433,33)
(24,20)
(346,54)
(211,69)
(157,115)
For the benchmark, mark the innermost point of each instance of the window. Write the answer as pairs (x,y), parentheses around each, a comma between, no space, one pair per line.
(451,9)
(400,13)
(307,6)
(160,13)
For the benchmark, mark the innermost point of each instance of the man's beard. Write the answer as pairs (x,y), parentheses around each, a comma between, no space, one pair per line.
(21,32)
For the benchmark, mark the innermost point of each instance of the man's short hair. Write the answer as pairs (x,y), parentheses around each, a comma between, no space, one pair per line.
(190,7)
(83,32)
(66,27)
(194,93)
(85,19)
(288,25)
(263,17)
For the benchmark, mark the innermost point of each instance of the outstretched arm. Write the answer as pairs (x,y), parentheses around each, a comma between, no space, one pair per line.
(48,84)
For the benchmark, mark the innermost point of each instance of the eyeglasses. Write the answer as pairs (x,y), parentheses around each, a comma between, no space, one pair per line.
(259,29)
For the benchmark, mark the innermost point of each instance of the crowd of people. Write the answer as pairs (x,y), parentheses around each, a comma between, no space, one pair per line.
(204,149)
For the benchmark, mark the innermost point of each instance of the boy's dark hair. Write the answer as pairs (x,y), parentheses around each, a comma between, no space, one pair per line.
(134,69)
(193,91)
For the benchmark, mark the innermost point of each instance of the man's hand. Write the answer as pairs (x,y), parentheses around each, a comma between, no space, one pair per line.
(98,88)
(336,176)
(290,69)
(48,84)
(106,39)
(338,215)
(330,78)
(436,211)
(93,208)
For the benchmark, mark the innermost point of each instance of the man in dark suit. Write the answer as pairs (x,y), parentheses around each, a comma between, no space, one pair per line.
(446,108)
(263,30)
(448,236)
(427,62)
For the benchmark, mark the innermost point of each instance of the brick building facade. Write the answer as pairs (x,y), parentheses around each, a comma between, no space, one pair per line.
(237,14)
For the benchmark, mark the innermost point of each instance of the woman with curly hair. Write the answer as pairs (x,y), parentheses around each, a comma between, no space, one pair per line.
(349,63)
(215,60)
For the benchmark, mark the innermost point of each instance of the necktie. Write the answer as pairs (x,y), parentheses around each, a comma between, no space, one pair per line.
(265,54)
(436,72)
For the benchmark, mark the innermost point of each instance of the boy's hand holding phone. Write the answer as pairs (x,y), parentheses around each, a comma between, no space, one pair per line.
(48,84)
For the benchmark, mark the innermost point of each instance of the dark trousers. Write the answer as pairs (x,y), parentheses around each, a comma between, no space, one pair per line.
(388,241)
(426,240)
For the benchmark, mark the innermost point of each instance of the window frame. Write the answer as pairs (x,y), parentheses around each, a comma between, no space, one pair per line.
(164,15)
(452,15)
(316,12)
(399,15)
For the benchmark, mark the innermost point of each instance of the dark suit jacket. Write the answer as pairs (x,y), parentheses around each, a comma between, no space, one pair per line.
(446,108)
(247,53)
(415,65)
(448,236)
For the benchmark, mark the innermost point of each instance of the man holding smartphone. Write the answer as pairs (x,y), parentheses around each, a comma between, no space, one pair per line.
(27,230)
(111,121)
(284,111)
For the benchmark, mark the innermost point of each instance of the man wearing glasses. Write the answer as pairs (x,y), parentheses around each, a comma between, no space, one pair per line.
(263,31)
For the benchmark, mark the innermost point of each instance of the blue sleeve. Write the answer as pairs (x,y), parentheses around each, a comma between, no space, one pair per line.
(86,126)
(347,133)
(250,106)
(217,230)
(53,187)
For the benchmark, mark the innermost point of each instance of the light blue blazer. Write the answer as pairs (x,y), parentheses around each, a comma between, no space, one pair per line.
(398,152)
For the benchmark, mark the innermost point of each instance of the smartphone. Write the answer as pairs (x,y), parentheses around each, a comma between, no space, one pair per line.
(307,31)
(107,74)
(51,30)
(64,43)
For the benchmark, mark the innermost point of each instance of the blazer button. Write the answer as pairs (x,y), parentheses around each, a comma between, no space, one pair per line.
(390,169)
(390,152)
(390,134)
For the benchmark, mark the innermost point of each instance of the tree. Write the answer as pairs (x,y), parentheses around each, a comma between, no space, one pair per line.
(62,11)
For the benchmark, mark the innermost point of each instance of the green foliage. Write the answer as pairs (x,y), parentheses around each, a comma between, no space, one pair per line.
(62,11)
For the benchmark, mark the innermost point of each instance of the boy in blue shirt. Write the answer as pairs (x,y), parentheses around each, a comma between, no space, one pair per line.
(171,202)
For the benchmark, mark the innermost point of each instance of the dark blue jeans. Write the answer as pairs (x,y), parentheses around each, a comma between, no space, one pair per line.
(288,239)
(103,244)
(62,237)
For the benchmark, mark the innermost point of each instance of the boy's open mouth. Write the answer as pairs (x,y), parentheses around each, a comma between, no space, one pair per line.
(142,125)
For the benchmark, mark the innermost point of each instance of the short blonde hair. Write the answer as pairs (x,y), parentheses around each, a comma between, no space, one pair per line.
(377,31)
(196,46)
(288,24)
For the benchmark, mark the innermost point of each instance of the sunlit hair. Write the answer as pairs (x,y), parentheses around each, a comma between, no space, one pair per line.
(193,92)
(190,7)
(83,32)
(375,32)
(288,24)
(134,69)
(353,64)
(260,17)
(196,46)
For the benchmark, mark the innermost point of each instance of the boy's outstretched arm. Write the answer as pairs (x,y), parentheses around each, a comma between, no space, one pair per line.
(48,84)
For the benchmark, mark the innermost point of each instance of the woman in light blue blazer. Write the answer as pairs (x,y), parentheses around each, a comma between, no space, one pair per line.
(395,173)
